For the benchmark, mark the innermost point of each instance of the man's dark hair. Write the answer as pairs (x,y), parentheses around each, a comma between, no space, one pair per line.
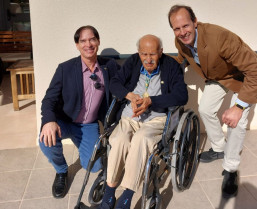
(177,7)
(87,27)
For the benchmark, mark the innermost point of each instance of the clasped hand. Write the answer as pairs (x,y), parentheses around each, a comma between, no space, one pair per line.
(139,105)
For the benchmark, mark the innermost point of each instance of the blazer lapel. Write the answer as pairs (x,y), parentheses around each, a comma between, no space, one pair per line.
(188,55)
(79,77)
(104,70)
(201,49)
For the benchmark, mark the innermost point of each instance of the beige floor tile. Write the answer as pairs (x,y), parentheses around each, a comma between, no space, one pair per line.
(12,185)
(189,199)
(17,140)
(40,183)
(19,119)
(243,200)
(17,159)
(250,140)
(18,128)
(209,171)
(45,203)
(247,165)
(254,152)
(75,154)
(213,170)
(10,205)
(250,183)
(77,185)
(79,176)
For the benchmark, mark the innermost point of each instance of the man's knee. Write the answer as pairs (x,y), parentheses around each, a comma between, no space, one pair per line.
(205,111)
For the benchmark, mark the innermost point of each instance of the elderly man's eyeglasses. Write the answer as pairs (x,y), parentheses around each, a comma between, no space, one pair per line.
(94,77)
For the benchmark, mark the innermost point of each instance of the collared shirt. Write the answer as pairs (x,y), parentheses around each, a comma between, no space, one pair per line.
(154,89)
(194,49)
(92,97)
(145,72)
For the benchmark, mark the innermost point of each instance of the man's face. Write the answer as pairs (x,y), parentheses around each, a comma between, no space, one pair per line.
(88,44)
(183,26)
(149,53)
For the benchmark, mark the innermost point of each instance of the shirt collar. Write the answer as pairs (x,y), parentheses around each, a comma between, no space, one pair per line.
(85,67)
(145,72)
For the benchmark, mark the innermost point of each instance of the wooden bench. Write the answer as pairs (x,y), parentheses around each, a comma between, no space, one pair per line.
(22,72)
(15,45)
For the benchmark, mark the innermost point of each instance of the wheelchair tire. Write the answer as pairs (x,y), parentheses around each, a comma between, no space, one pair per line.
(152,203)
(96,192)
(185,151)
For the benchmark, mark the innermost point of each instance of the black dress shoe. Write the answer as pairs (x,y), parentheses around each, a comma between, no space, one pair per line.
(59,187)
(229,184)
(209,156)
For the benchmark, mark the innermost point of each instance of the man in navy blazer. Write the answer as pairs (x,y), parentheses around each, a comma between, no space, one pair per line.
(78,96)
(149,82)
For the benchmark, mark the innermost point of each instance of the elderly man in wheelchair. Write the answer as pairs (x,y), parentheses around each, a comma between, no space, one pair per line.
(150,82)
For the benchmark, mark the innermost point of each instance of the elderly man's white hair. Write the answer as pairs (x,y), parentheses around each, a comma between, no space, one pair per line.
(160,42)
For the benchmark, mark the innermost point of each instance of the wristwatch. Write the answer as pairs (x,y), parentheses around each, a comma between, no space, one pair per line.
(239,106)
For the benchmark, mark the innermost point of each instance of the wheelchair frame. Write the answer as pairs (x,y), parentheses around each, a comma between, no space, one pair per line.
(100,150)
(181,163)
(182,130)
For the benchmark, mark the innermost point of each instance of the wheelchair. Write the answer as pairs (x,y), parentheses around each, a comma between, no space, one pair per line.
(178,149)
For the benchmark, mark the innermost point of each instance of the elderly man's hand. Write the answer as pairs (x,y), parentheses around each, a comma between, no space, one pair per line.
(133,98)
(48,133)
(142,106)
(232,116)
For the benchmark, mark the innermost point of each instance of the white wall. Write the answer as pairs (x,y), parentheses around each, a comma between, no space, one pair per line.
(120,24)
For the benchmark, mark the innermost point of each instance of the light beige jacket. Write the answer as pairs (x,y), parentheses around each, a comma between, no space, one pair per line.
(225,58)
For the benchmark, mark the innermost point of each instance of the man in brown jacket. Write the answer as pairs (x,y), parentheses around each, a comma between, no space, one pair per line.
(226,63)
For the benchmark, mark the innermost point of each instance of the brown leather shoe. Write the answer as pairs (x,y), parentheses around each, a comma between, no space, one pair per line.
(59,188)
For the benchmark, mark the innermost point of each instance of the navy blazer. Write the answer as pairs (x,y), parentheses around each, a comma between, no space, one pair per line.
(173,87)
(64,96)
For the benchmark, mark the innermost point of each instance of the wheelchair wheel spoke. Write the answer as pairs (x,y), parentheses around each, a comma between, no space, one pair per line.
(187,151)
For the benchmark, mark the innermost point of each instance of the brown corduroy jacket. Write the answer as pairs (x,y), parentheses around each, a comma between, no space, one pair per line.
(225,58)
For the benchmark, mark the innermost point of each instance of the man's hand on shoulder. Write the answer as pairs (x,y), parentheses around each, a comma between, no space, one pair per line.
(48,133)
(232,116)
(142,106)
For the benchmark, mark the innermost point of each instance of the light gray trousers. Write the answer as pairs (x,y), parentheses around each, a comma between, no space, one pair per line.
(210,103)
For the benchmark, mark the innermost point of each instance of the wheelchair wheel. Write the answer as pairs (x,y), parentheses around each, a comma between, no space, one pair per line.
(185,151)
(96,192)
(152,203)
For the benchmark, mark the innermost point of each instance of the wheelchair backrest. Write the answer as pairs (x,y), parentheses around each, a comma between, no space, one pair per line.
(171,124)
(111,115)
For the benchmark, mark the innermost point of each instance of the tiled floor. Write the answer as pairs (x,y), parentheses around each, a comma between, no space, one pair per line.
(26,177)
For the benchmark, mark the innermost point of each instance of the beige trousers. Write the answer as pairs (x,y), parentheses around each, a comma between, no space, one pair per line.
(210,103)
(131,143)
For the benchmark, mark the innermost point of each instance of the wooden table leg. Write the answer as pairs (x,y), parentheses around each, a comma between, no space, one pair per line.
(14,91)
